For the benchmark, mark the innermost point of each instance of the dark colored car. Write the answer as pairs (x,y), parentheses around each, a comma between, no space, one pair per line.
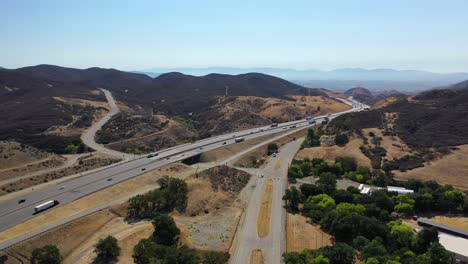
(22,201)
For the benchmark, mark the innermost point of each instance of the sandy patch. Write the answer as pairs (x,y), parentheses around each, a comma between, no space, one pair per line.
(264,215)
(458,222)
(256,257)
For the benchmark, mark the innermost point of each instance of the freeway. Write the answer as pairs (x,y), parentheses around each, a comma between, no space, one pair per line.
(12,212)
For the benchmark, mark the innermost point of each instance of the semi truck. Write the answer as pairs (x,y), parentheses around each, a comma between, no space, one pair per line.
(238,139)
(45,206)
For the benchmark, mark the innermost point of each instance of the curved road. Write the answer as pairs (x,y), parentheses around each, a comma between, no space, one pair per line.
(88,137)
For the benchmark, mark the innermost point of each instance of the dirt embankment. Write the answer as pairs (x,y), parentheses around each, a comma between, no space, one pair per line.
(259,155)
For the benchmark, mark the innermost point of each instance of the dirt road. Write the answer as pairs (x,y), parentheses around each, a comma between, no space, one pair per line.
(88,137)
(247,238)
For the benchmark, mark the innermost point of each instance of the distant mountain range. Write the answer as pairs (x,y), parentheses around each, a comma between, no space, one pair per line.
(345,78)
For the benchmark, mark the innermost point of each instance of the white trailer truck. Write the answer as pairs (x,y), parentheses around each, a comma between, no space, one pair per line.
(45,206)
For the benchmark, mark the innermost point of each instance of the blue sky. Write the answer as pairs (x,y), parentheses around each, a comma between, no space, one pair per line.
(132,35)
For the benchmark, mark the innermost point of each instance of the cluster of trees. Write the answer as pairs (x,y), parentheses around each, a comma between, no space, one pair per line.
(163,247)
(171,195)
(366,226)
(316,167)
(312,139)
(341,139)
(272,148)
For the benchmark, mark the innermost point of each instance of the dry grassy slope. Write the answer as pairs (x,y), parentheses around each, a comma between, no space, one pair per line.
(329,153)
(242,112)
(146,132)
(450,169)
(13,154)
(394,146)
(385,102)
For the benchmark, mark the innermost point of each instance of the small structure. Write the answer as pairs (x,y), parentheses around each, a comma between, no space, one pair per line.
(327,140)
(399,190)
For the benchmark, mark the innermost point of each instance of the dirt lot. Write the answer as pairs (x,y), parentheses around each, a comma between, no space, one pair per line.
(83,164)
(450,169)
(264,215)
(256,257)
(216,200)
(330,153)
(301,234)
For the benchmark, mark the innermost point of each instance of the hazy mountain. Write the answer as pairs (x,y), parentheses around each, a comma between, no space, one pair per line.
(375,79)
(460,86)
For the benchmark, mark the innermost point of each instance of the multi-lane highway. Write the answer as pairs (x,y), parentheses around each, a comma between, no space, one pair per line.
(12,212)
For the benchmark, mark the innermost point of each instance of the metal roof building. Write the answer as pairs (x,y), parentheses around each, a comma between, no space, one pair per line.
(444,228)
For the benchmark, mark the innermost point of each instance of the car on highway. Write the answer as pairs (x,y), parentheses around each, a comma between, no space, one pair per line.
(152,155)
(143,169)
(293,126)
(285,127)
(109,179)
(22,201)
(274,155)
(224,143)
(201,147)
(62,187)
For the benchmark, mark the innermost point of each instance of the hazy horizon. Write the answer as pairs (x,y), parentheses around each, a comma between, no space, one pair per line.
(421,35)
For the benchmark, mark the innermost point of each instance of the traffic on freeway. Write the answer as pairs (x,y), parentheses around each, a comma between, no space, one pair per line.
(15,211)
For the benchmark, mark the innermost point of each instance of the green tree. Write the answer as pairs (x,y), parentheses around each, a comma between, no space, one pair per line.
(308,189)
(295,172)
(339,253)
(316,206)
(455,199)
(425,238)
(272,148)
(439,255)
(48,254)
(341,140)
(214,257)
(293,197)
(306,167)
(351,208)
(347,163)
(402,233)
(166,231)
(320,259)
(327,182)
(374,249)
(107,248)
(404,208)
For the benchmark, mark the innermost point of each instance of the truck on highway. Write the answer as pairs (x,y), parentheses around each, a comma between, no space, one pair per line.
(238,139)
(45,206)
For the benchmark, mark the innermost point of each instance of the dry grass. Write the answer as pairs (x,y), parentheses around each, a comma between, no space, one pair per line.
(66,237)
(264,215)
(385,102)
(394,146)
(458,222)
(330,153)
(202,198)
(123,190)
(256,257)
(300,234)
(278,164)
(82,102)
(14,155)
(450,169)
